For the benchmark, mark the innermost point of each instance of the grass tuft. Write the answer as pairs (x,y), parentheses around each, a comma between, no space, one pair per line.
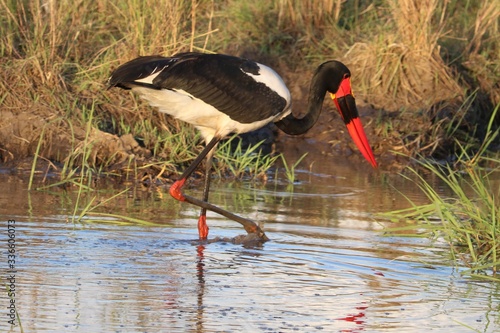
(242,162)
(469,221)
(404,63)
(290,169)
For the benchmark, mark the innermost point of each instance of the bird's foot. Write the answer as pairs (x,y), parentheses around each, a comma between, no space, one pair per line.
(254,229)
(203,227)
(175,190)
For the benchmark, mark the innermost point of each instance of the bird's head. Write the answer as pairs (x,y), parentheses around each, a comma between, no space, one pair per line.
(339,87)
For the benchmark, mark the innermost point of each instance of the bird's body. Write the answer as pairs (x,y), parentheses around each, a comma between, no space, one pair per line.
(221,94)
(218,94)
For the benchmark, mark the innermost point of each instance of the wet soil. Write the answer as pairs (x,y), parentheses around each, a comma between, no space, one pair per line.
(20,141)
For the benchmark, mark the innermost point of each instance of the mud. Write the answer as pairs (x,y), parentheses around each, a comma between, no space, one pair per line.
(26,133)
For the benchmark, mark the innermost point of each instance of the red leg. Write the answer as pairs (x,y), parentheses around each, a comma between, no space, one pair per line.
(176,191)
(203,227)
(202,221)
(176,188)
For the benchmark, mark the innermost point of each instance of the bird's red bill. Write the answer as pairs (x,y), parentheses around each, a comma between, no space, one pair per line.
(344,88)
(358,135)
(346,105)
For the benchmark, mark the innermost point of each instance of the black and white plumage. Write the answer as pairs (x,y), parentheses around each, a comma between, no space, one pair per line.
(218,94)
(221,94)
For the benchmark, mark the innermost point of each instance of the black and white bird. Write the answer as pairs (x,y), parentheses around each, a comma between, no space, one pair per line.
(221,94)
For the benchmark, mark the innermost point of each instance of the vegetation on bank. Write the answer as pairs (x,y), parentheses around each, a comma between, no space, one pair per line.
(469,221)
(430,69)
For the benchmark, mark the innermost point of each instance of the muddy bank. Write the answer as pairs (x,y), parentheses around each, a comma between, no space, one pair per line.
(24,134)
(57,136)
(54,139)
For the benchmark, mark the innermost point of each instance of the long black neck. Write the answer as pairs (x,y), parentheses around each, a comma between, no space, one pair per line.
(317,91)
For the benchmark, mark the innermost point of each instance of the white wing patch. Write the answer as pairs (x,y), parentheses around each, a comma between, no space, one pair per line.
(149,79)
(271,79)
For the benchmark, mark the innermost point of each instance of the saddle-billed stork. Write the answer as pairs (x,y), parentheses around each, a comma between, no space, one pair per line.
(221,94)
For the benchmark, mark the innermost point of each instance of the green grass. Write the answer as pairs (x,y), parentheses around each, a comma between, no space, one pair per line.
(251,162)
(93,210)
(469,219)
(290,169)
(35,159)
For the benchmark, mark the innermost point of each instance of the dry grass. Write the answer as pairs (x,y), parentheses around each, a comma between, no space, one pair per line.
(481,60)
(485,26)
(306,15)
(56,57)
(403,68)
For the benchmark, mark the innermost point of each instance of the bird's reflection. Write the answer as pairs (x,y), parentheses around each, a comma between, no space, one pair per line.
(249,242)
(200,274)
(357,317)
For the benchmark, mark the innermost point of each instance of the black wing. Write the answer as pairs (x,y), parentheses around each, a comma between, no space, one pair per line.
(219,80)
(139,68)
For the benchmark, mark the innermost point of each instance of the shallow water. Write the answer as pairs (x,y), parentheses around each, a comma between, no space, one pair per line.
(327,268)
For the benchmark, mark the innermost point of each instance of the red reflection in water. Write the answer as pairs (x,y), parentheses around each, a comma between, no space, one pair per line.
(200,273)
(356,318)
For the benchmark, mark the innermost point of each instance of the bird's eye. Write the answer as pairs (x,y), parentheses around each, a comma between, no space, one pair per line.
(346,76)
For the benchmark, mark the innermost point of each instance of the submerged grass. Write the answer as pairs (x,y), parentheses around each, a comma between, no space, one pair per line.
(99,217)
(90,207)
